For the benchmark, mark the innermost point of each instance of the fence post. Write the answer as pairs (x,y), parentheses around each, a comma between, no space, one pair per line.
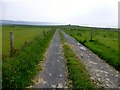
(91,35)
(44,32)
(11,42)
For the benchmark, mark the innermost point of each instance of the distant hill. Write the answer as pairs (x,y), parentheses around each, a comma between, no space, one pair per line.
(11,22)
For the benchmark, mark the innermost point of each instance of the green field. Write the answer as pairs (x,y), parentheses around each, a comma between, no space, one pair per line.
(31,43)
(104,42)
(22,34)
(0,40)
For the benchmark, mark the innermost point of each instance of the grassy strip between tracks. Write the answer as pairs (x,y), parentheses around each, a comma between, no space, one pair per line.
(77,72)
(19,70)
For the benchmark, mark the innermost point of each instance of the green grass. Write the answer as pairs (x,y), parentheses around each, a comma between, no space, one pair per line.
(21,35)
(0,40)
(76,69)
(104,43)
(20,69)
(0,56)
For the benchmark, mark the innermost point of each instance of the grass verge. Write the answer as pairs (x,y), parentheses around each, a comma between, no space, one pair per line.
(19,70)
(76,69)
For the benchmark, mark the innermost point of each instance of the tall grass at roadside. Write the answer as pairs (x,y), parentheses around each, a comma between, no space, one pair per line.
(76,69)
(19,70)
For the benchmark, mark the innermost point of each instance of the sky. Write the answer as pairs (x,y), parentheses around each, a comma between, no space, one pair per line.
(100,13)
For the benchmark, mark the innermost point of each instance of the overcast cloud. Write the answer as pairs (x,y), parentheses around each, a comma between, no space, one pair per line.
(102,13)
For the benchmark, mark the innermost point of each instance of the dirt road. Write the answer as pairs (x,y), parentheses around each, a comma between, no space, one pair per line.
(54,73)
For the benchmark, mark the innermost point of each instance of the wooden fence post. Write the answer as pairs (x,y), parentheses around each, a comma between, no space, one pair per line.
(11,42)
(44,32)
(91,35)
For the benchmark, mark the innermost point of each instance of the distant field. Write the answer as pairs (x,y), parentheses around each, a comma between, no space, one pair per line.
(21,34)
(104,42)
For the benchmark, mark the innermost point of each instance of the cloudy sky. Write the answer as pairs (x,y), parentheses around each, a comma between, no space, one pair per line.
(102,13)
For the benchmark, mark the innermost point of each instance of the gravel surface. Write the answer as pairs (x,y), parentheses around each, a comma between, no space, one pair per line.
(54,73)
(102,74)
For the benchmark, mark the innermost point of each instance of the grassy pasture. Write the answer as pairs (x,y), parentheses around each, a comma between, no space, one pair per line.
(22,34)
(104,42)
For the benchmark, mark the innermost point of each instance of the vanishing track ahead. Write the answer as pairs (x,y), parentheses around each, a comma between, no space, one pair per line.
(54,73)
